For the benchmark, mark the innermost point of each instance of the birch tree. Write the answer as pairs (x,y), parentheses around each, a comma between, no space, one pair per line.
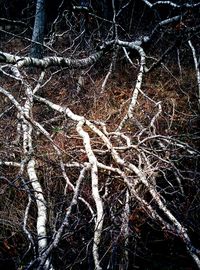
(99,151)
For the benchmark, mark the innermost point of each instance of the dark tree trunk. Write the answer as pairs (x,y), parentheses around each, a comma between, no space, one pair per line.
(38,30)
(84,23)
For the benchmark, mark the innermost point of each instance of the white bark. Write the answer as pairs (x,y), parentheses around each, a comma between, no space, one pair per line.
(25,111)
(138,84)
(95,193)
(49,61)
(41,206)
(197,69)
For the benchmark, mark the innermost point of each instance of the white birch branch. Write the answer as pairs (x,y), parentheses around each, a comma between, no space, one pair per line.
(138,84)
(196,65)
(23,61)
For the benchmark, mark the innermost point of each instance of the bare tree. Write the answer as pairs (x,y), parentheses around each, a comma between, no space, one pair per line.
(94,169)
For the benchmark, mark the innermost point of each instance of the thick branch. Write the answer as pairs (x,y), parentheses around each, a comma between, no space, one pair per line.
(21,61)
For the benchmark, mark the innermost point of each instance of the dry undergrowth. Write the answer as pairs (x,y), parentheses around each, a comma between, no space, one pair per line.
(178,119)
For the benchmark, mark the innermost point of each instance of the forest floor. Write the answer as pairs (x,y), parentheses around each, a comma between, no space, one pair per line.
(150,248)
